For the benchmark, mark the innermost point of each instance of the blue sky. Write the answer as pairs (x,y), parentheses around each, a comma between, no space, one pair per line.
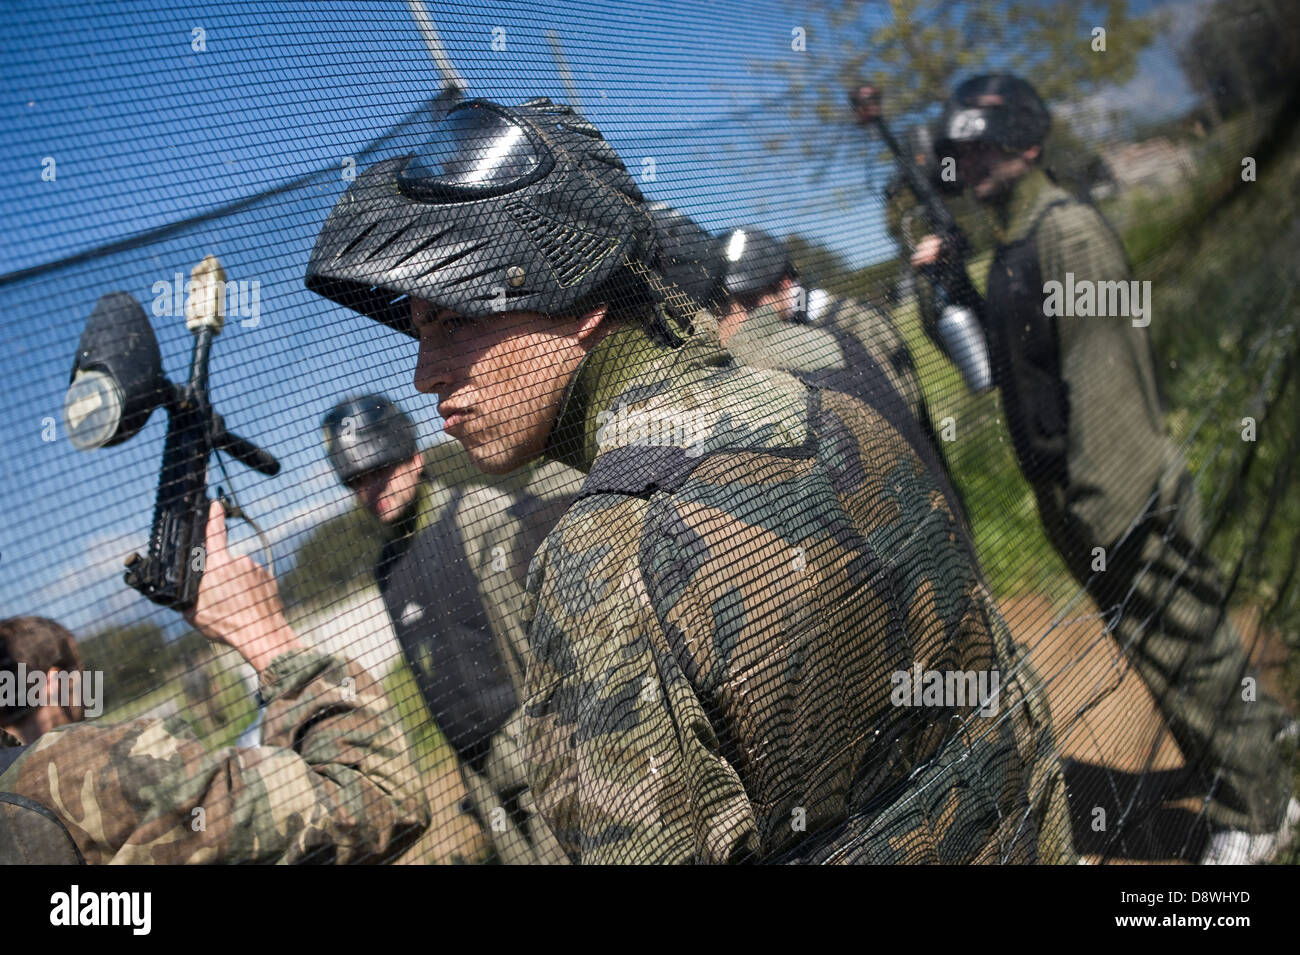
(145,131)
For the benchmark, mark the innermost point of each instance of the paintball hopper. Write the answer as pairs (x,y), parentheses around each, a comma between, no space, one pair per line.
(117,378)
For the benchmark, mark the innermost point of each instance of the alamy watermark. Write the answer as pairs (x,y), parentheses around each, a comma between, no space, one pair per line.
(129,909)
(65,688)
(1088,299)
(242,298)
(626,427)
(946,688)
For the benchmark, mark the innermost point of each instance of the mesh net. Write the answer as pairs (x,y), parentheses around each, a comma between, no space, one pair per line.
(772,577)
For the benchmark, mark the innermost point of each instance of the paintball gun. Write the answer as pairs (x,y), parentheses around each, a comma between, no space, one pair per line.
(117,381)
(959,327)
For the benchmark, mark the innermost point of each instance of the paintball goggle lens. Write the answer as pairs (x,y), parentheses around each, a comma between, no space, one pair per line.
(475,151)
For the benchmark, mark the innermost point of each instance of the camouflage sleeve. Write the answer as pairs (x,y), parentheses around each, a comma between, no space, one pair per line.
(333,782)
(623,761)
(1106,366)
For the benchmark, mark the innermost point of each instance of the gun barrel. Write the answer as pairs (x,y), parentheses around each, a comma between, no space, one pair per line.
(247,453)
(940,218)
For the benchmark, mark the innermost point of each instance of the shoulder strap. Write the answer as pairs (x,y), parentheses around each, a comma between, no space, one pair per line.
(638,469)
(855,353)
(9,755)
(41,849)
(1033,229)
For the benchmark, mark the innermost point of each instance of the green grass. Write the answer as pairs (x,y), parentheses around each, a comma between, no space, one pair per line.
(430,749)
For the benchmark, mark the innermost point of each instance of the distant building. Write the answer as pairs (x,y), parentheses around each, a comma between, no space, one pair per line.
(1155,164)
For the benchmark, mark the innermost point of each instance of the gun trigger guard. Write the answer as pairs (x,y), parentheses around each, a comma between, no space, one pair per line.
(232,510)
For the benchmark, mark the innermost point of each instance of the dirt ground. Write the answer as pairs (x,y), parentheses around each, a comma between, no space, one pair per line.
(1119,757)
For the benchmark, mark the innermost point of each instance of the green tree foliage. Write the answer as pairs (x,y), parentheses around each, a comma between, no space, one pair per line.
(1231,350)
(338,556)
(1243,54)
(914,50)
(133,658)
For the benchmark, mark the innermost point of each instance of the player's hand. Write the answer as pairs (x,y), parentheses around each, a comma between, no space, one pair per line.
(238,602)
(927,251)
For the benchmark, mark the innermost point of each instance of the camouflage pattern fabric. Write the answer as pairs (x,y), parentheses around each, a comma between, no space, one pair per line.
(1126,489)
(763,339)
(333,782)
(715,625)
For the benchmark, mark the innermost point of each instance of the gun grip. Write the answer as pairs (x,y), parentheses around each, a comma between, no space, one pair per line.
(170,577)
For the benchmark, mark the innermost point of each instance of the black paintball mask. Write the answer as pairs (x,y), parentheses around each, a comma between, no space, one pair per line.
(994,108)
(523,208)
(367,433)
(921,146)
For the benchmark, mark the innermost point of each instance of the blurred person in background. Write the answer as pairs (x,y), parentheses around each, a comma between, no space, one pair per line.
(451,574)
(46,647)
(1085,413)
(333,783)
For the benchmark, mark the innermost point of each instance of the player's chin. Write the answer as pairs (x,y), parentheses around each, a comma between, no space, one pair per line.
(487,456)
(500,457)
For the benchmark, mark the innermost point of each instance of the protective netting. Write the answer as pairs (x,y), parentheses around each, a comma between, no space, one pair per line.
(825,558)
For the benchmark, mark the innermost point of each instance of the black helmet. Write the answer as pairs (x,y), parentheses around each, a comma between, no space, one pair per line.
(367,433)
(688,257)
(503,209)
(753,261)
(998,108)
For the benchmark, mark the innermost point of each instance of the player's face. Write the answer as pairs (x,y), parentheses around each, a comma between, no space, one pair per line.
(388,492)
(988,169)
(498,381)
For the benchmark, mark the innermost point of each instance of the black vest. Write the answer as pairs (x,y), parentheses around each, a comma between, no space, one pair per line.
(433,600)
(1026,360)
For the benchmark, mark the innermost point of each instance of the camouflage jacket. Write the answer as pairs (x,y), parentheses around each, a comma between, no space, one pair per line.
(836,352)
(333,782)
(1118,451)
(717,627)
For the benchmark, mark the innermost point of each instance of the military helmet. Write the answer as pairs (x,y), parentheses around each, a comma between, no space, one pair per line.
(367,433)
(753,261)
(687,256)
(523,208)
(996,108)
